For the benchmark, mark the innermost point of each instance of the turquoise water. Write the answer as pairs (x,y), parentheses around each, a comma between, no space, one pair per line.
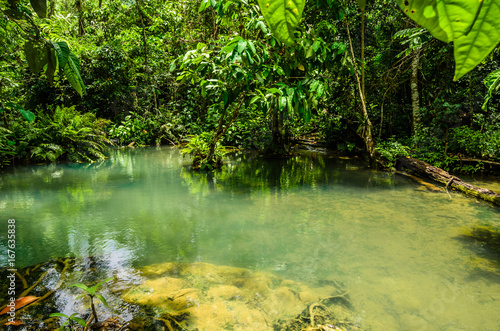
(395,246)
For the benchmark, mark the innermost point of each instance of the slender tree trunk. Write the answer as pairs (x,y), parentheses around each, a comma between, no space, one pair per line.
(79,9)
(144,40)
(366,128)
(415,99)
(363,51)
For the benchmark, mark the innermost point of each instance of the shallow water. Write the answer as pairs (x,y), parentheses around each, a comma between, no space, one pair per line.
(395,246)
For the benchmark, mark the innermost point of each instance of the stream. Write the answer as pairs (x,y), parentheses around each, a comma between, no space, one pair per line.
(398,248)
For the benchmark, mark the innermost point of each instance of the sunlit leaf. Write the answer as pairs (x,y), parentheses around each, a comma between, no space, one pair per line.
(472,48)
(204,4)
(446,20)
(282,16)
(473,26)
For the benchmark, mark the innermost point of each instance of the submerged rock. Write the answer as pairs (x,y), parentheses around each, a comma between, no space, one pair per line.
(202,296)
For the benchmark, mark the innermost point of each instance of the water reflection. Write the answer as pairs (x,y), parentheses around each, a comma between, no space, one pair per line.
(311,218)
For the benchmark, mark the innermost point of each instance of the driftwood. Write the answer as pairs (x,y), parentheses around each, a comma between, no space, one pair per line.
(422,169)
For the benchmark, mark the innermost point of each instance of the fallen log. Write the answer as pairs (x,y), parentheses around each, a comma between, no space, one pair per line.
(422,169)
(429,186)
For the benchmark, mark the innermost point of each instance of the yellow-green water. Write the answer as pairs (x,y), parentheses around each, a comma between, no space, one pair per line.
(395,246)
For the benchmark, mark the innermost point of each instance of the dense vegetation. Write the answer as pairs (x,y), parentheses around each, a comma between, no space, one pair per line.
(95,73)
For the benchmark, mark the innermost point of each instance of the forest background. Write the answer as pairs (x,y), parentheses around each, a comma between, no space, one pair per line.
(78,76)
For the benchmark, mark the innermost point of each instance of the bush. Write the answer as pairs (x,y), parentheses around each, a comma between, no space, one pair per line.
(199,146)
(391,149)
(78,137)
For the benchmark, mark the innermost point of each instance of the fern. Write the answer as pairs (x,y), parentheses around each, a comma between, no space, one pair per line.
(492,83)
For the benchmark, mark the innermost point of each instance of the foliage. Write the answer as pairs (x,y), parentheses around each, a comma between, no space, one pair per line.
(91,292)
(7,148)
(80,137)
(472,25)
(70,321)
(476,144)
(391,150)
(492,83)
(199,146)
(67,133)
(282,17)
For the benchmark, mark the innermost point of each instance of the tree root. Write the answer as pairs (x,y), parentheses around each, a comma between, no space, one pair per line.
(46,295)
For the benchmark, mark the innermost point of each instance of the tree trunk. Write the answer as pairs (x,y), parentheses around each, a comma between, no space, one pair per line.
(366,128)
(79,9)
(415,100)
(277,144)
(422,169)
(221,130)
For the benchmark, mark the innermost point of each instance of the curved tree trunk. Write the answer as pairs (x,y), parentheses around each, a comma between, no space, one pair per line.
(366,128)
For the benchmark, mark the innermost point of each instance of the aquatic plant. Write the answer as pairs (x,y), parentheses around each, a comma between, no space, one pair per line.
(91,292)
(70,320)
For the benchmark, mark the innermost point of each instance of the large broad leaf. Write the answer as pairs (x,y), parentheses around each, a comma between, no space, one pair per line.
(70,65)
(72,73)
(283,17)
(28,116)
(446,20)
(36,55)
(40,7)
(473,25)
(484,36)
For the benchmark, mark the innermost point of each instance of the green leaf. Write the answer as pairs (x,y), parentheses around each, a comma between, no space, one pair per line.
(40,7)
(252,47)
(310,52)
(320,90)
(28,116)
(471,49)
(62,50)
(72,73)
(282,16)
(242,45)
(172,66)
(70,65)
(79,321)
(472,25)
(282,103)
(492,83)
(446,20)
(81,286)
(316,45)
(58,315)
(204,4)
(36,56)
(100,297)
